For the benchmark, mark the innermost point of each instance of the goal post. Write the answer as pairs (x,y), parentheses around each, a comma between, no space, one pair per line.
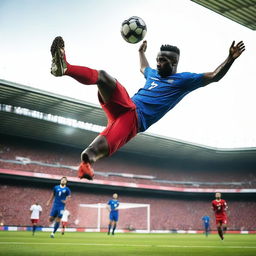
(132,217)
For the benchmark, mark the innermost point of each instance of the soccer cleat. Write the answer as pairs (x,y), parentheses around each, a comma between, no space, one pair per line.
(85,171)
(52,235)
(59,65)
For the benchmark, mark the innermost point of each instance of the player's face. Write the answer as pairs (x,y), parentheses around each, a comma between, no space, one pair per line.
(115,196)
(63,181)
(218,195)
(167,63)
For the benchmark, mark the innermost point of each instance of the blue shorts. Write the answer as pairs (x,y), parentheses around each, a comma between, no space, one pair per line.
(206,226)
(57,212)
(113,215)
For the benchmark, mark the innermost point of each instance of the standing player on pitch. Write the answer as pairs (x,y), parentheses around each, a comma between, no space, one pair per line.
(163,89)
(35,210)
(112,207)
(64,220)
(219,207)
(206,223)
(61,194)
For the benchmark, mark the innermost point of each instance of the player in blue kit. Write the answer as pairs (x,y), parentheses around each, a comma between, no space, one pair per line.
(112,206)
(127,116)
(61,194)
(206,223)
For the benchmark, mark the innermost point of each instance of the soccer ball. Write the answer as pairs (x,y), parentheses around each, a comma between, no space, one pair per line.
(133,30)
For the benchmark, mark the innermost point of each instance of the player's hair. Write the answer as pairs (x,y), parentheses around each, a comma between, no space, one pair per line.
(170,48)
(64,177)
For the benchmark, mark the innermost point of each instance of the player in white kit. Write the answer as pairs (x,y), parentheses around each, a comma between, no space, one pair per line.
(64,220)
(36,210)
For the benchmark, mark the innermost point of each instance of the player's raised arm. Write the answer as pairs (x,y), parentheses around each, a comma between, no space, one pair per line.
(66,200)
(50,199)
(143,59)
(234,52)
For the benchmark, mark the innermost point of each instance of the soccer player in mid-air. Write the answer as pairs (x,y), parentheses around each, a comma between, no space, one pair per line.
(35,210)
(206,223)
(61,194)
(112,207)
(219,207)
(163,89)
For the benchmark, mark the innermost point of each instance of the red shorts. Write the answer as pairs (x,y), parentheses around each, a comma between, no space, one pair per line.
(34,221)
(122,119)
(221,220)
(64,223)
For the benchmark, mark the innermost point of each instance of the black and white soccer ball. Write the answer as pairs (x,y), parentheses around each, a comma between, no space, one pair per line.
(133,30)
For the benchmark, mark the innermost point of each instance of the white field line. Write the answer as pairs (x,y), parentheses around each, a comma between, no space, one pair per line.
(133,245)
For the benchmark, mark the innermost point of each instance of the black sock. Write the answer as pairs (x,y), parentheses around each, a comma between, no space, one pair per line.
(56,226)
(109,228)
(114,227)
(34,228)
(220,233)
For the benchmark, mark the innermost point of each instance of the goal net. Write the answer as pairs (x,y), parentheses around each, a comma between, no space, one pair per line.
(132,217)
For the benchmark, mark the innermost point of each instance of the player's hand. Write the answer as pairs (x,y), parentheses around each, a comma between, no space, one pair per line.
(47,203)
(143,46)
(236,50)
(64,201)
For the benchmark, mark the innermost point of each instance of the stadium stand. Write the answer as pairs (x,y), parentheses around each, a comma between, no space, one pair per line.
(176,178)
(42,157)
(167,213)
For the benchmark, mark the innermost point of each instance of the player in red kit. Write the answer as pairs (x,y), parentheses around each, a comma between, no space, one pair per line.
(219,207)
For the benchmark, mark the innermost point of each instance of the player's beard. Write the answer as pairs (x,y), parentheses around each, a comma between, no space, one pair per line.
(164,72)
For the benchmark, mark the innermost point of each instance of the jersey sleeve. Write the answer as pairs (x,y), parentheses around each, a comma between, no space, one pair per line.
(147,71)
(31,208)
(40,208)
(109,202)
(193,80)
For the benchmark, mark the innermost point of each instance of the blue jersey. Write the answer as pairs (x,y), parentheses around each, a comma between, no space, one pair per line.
(60,194)
(206,220)
(113,204)
(159,94)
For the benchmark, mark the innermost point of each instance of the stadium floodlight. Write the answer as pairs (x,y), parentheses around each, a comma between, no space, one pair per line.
(52,118)
(132,217)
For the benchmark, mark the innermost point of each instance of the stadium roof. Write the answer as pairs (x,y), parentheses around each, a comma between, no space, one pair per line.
(240,11)
(36,114)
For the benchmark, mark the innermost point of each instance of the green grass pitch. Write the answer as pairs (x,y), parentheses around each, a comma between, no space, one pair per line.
(97,244)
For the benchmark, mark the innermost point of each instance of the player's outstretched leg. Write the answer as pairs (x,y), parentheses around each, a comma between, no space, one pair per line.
(61,67)
(106,86)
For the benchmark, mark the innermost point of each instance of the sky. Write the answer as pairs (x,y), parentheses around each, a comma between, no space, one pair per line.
(220,115)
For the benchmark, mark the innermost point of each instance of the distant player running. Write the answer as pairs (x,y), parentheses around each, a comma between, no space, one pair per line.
(219,207)
(206,223)
(127,116)
(64,220)
(61,194)
(35,210)
(113,213)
